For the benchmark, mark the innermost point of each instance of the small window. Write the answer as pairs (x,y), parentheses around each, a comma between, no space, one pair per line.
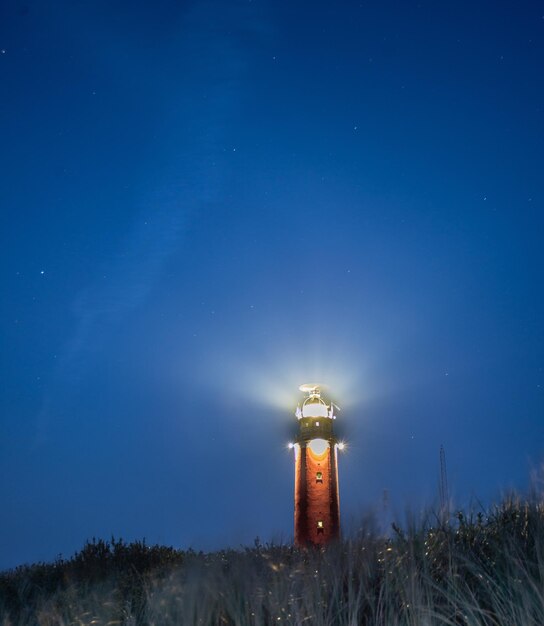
(317,423)
(320,527)
(319,477)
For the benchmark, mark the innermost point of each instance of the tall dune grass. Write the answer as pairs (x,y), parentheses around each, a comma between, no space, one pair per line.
(483,569)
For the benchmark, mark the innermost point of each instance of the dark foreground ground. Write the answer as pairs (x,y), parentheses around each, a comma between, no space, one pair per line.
(477,569)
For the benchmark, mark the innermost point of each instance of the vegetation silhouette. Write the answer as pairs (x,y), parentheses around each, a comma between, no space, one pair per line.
(477,568)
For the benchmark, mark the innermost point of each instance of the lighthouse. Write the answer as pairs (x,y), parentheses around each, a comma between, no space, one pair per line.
(317,504)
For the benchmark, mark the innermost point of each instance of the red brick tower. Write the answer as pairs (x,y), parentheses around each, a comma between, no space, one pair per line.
(317,505)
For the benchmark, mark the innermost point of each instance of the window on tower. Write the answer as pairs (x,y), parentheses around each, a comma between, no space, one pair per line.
(319,477)
(320,527)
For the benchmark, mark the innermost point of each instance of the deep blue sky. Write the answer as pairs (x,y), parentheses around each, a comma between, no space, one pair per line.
(206,204)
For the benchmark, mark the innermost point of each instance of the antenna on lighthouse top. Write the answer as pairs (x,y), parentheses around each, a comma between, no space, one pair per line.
(312,389)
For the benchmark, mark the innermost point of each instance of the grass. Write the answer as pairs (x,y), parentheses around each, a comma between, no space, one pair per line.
(484,569)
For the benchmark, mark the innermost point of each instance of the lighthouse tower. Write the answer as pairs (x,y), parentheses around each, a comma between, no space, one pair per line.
(317,505)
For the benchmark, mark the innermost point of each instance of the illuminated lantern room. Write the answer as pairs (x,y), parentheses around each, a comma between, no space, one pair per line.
(314,405)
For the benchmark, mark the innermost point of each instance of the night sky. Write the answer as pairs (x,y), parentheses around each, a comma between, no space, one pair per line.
(205,204)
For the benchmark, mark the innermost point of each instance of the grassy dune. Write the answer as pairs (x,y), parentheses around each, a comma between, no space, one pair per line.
(482,569)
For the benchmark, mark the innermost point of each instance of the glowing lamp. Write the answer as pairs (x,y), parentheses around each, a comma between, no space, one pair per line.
(318,446)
